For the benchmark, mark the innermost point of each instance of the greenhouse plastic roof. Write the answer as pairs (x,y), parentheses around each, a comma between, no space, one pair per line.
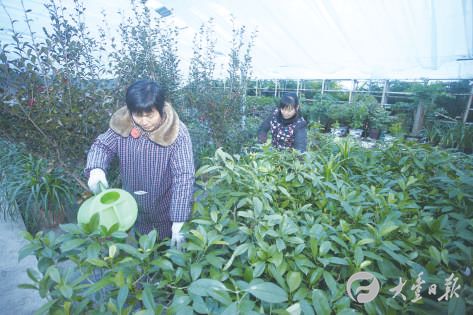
(331,39)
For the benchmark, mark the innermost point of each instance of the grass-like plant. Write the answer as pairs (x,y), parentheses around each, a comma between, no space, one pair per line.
(33,188)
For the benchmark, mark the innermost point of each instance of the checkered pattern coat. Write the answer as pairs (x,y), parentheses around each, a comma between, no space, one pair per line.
(165,173)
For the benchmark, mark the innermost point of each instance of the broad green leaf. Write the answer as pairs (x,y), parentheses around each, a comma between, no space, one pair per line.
(199,305)
(28,250)
(148,299)
(316,275)
(289,177)
(314,248)
(444,256)
(95,287)
(206,169)
(97,262)
(333,260)
(347,311)
(93,250)
(231,309)
(365,241)
(320,302)
(130,250)
(388,269)
(33,274)
(293,280)
(163,263)
(238,251)
(119,235)
(267,292)
(294,309)
(399,258)
(456,306)
(385,230)
(122,296)
(71,244)
(201,287)
(280,244)
(259,269)
(66,290)
(53,273)
(331,283)
(358,256)
(196,270)
(285,192)
(435,255)
(71,228)
(44,310)
(258,206)
(221,296)
(306,308)
(325,247)
(277,275)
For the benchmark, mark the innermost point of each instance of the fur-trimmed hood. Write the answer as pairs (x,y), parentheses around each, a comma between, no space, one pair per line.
(122,123)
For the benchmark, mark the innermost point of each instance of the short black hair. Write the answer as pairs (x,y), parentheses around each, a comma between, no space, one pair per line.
(144,95)
(289,99)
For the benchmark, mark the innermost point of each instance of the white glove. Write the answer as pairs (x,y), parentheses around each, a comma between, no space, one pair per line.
(177,237)
(97,175)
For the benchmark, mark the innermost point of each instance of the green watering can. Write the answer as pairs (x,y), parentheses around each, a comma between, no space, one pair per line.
(113,206)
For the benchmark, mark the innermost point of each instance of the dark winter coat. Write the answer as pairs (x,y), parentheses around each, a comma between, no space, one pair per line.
(285,133)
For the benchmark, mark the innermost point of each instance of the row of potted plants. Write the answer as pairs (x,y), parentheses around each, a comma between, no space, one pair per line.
(363,113)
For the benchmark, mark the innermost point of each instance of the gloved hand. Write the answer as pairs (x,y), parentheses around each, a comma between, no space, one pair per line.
(177,237)
(97,175)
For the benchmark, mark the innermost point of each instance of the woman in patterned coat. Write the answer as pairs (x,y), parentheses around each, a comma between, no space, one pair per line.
(156,163)
(288,128)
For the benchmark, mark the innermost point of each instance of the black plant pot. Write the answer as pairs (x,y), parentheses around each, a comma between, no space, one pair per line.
(374,133)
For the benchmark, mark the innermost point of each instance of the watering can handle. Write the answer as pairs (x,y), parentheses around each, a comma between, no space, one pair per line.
(102,187)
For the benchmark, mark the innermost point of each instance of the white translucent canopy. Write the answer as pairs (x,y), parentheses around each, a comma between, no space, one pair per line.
(315,39)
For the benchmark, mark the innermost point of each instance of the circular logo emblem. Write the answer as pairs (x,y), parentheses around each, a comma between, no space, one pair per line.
(369,292)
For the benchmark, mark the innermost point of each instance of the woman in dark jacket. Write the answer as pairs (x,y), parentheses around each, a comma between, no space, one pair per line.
(288,127)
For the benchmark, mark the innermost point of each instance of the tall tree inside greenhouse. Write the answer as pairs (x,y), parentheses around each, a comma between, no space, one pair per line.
(425,95)
(220,104)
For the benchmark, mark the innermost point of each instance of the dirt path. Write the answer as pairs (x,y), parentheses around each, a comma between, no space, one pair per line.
(14,300)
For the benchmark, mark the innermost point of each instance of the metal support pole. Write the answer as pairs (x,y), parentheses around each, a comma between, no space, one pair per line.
(353,88)
(276,88)
(468,106)
(297,89)
(322,90)
(384,98)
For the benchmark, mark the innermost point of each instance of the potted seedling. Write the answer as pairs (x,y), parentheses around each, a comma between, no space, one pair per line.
(378,121)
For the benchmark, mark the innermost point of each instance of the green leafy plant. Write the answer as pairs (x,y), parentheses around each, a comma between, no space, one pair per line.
(277,232)
(146,49)
(220,105)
